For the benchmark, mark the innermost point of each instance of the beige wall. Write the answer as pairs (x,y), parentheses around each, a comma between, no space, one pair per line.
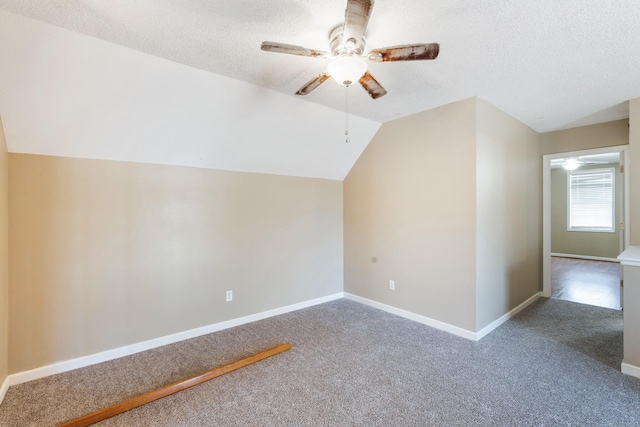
(508,205)
(4,257)
(409,215)
(581,242)
(585,137)
(106,254)
(448,204)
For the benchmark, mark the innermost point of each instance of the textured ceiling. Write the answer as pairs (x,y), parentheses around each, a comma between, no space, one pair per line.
(551,64)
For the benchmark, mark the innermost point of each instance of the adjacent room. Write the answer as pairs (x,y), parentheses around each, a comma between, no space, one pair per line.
(344,212)
(587,231)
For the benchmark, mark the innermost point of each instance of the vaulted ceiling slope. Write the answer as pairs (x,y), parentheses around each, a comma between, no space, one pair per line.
(550,64)
(67,94)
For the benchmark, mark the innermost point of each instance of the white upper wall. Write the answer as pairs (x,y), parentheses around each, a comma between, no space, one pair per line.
(67,94)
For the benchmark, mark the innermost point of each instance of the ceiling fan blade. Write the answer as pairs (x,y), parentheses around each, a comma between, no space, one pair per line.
(292,50)
(356,17)
(372,86)
(409,52)
(313,83)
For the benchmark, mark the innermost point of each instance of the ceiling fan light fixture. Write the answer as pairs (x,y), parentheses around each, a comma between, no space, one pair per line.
(571,164)
(347,70)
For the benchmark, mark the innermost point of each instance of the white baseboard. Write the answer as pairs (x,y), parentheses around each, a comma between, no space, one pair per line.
(594,258)
(464,333)
(632,370)
(81,362)
(3,389)
(493,325)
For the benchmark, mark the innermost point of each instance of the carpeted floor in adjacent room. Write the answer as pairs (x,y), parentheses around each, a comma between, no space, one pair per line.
(557,363)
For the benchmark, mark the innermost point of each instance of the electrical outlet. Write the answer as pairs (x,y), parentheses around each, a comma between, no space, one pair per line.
(392,285)
(229,296)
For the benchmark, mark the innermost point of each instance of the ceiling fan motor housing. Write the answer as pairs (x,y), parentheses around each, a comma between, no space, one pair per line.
(340,47)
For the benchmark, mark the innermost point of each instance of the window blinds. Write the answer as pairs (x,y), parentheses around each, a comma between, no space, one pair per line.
(591,200)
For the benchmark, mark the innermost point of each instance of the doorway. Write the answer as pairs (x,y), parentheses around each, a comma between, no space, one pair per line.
(586,281)
(563,261)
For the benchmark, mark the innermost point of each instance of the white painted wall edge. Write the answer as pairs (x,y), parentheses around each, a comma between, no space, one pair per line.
(3,389)
(595,258)
(493,325)
(632,370)
(464,333)
(630,257)
(81,362)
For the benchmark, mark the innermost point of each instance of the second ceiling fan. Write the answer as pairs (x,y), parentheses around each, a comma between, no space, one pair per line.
(347,44)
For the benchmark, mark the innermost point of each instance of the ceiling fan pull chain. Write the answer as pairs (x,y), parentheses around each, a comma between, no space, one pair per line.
(346,113)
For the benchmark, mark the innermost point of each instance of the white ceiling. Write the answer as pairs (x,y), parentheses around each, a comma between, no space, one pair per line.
(185,82)
(551,64)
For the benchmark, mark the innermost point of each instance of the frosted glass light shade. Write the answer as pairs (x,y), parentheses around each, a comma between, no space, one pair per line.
(347,69)
(571,164)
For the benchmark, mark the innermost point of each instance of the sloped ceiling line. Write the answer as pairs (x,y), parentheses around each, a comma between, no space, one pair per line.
(185,82)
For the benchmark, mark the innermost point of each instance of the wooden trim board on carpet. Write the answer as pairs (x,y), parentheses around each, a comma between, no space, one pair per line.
(151,396)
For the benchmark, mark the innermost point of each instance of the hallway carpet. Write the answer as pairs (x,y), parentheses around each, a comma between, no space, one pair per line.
(556,363)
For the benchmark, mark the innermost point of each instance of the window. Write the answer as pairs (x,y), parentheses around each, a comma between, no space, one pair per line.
(591,200)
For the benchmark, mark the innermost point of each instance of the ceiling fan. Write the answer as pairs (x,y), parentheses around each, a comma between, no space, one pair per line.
(347,44)
(573,163)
